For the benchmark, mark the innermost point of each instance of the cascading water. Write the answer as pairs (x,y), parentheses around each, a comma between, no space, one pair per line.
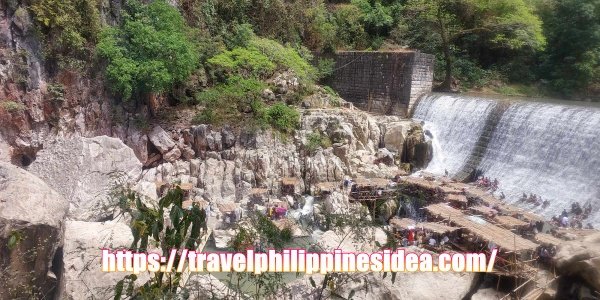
(455,124)
(548,149)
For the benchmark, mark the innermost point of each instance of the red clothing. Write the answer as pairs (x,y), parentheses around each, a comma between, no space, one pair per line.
(411,236)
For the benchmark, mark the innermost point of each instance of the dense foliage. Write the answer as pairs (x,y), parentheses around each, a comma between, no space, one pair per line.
(71,29)
(150,51)
(510,46)
(572,59)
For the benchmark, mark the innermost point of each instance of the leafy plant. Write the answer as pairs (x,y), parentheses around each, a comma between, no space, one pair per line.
(150,51)
(185,231)
(14,238)
(315,141)
(71,28)
(246,62)
(12,106)
(56,92)
(283,117)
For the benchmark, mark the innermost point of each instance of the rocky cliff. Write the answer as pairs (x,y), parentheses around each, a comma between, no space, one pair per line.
(75,145)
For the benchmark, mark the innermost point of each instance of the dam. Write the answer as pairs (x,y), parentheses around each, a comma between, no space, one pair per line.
(550,149)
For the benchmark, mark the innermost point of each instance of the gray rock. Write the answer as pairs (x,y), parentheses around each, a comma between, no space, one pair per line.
(85,171)
(227,137)
(228,154)
(161,139)
(22,20)
(32,213)
(82,274)
(581,258)
(385,156)
(223,237)
(395,134)
(188,153)
(138,141)
(172,155)
(200,134)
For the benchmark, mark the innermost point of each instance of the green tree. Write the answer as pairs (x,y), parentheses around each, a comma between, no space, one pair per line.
(152,50)
(572,59)
(502,24)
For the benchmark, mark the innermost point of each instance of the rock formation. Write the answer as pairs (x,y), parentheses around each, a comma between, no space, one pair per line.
(85,170)
(31,230)
(81,270)
(581,258)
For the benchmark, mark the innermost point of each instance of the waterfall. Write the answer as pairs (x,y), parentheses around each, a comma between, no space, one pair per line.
(548,149)
(455,124)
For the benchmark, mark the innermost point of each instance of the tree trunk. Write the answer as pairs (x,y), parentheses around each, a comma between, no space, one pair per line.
(447,84)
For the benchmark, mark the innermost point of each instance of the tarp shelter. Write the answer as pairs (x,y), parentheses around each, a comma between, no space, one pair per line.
(484,210)
(509,221)
(258,191)
(288,185)
(457,198)
(505,239)
(227,207)
(188,203)
(405,223)
(372,182)
(544,238)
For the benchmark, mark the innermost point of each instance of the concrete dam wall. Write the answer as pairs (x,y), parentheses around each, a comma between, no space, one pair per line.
(383,82)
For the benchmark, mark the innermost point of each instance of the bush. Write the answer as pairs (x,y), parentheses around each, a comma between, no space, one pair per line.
(325,67)
(71,27)
(12,106)
(207,116)
(247,62)
(225,101)
(261,58)
(315,141)
(236,89)
(150,51)
(286,58)
(282,117)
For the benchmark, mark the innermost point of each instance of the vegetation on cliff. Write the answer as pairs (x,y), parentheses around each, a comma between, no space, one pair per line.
(185,49)
(150,51)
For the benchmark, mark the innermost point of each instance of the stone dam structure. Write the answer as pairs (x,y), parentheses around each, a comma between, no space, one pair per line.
(383,82)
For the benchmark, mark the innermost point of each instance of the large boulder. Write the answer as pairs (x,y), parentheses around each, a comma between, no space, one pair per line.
(417,150)
(395,135)
(86,171)
(337,203)
(581,258)
(161,139)
(82,276)
(31,229)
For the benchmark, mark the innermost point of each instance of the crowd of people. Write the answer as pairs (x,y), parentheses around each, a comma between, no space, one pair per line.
(535,200)
(418,237)
(487,183)
(575,218)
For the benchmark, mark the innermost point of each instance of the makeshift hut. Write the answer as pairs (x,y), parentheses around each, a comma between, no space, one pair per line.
(288,185)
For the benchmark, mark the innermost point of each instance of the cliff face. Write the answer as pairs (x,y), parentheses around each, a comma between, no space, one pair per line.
(37,104)
(58,126)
